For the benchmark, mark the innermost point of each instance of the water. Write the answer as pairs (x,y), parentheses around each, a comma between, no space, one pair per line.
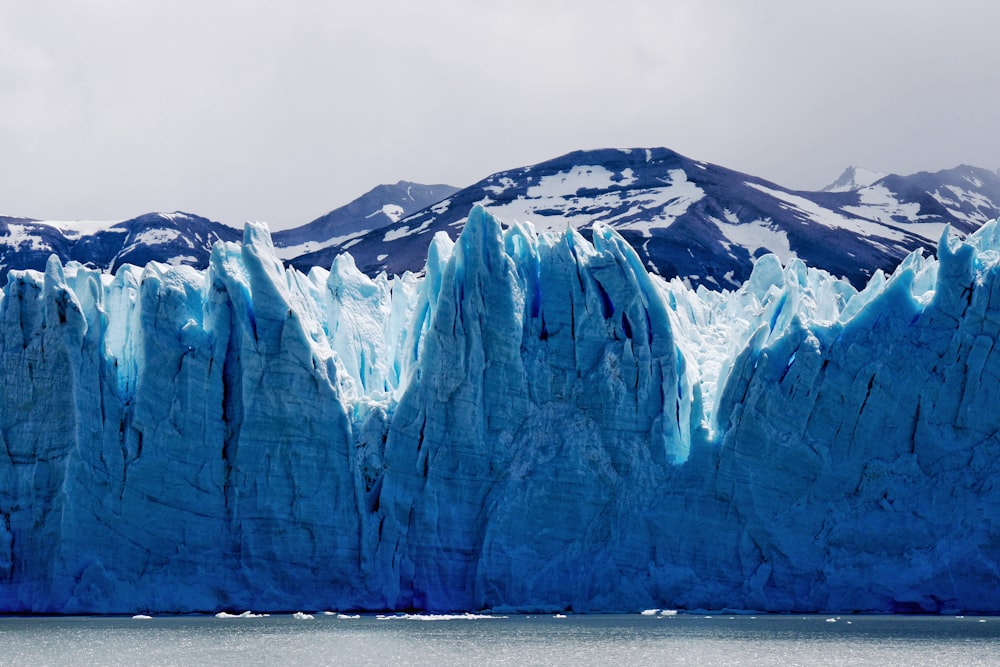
(517,640)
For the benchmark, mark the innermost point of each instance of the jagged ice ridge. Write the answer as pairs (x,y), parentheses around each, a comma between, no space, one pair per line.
(535,423)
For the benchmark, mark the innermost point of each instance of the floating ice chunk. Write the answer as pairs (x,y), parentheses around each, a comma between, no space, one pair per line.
(245,614)
(468,616)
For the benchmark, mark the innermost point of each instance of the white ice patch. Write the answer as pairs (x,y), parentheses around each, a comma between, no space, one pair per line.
(396,233)
(972,179)
(757,235)
(976,199)
(879,203)
(246,614)
(392,211)
(566,183)
(656,207)
(811,211)
(19,237)
(292,251)
(155,237)
(503,184)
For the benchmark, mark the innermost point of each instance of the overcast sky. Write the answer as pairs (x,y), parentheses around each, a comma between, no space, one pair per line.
(282,111)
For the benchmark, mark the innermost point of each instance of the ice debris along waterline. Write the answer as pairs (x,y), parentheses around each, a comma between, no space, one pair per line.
(536,424)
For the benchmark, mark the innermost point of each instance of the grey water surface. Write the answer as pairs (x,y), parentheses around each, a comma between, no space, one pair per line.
(500,640)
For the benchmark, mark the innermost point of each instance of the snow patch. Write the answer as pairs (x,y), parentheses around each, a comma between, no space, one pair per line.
(392,211)
(20,237)
(292,251)
(756,235)
(155,237)
(813,212)
(567,183)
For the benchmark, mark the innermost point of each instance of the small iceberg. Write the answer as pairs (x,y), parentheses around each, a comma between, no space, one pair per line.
(142,617)
(434,617)
(246,614)
(302,616)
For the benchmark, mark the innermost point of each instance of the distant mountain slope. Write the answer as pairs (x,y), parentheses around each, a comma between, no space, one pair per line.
(854,178)
(172,238)
(183,238)
(696,220)
(377,208)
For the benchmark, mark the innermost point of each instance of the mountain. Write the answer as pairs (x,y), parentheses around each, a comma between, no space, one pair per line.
(854,178)
(171,238)
(698,221)
(377,208)
(535,423)
(183,238)
(689,219)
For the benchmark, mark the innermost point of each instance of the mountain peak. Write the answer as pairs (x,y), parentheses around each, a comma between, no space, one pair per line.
(381,206)
(854,178)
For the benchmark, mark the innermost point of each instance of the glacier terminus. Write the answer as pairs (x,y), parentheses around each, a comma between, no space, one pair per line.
(534,422)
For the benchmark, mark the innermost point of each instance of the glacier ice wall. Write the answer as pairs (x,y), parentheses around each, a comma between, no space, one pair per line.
(533,423)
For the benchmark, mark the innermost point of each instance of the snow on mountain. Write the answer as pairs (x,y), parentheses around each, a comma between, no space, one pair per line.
(182,238)
(536,422)
(854,178)
(172,238)
(377,208)
(698,221)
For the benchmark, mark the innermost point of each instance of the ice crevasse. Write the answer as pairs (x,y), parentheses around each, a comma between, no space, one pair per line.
(534,423)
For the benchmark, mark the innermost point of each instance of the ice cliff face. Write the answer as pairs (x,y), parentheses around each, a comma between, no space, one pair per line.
(535,423)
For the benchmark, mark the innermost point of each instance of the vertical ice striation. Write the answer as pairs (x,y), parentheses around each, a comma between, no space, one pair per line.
(857,453)
(533,423)
(548,379)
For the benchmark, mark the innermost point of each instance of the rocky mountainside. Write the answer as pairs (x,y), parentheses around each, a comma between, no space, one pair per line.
(171,238)
(689,219)
(377,208)
(699,221)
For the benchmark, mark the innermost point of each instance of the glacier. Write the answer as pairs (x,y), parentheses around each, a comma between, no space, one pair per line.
(533,423)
